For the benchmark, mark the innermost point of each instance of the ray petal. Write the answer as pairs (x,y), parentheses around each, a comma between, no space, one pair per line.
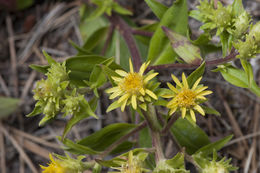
(142,69)
(176,80)
(117,79)
(184,81)
(123,106)
(173,110)
(142,91)
(199,109)
(121,73)
(133,101)
(150,93)
(131,66)
(114,89)
(141,98)
(203,93)
(123,98)
(200,89)
(172,88)
(196,83)
(149,77)
(114,95)
(183,112)
(201,97)
(192,114)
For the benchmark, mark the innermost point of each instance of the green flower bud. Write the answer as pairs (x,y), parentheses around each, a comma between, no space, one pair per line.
(222,16)
(164,167)
(241,24)
(246,49)
(72,103)
(255,33)
(50,109)
(58,72)
(212,166)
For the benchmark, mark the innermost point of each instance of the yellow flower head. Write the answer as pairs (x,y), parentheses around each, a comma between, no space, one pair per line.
(54,167)
(186,98)
(133,87)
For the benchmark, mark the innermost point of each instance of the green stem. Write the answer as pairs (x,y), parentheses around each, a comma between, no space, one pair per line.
(154,126)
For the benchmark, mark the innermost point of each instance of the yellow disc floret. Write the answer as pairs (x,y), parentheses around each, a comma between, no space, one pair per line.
(185,98)
(132,83)
(54,167)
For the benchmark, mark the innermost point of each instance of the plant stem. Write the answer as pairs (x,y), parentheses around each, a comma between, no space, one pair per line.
(166,129)
(122,139)
(215,62)
(126,32)
(154,126)
(142,33)
(109,37)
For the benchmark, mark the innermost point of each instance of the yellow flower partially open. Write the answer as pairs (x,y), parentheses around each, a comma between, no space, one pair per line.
(186,98)
(54,166)
(133,87)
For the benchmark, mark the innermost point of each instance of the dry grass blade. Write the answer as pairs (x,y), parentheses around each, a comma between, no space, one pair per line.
(2,151)
(19,149)
(4,87)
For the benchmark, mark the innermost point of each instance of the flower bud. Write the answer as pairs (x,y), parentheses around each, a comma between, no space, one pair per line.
(241,24)
(255,33)
(222,16)
(246,49)
(58,72)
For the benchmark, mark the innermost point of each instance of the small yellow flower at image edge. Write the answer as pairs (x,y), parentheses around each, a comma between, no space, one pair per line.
(185,98)
(133,87)
(53,167)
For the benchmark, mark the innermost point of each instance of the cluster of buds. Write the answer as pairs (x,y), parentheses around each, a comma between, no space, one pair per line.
(56,94)
(251,45)
(206,165)
(222,18)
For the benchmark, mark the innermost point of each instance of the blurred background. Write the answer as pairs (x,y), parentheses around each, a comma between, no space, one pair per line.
(30,26)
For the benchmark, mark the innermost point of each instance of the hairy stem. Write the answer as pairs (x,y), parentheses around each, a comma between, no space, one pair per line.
(126,32)
(154,126)
(169,124)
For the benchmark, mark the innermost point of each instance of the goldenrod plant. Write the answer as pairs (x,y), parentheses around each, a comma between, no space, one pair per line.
(72,88)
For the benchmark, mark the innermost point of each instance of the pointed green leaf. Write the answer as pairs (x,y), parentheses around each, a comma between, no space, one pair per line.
(237,8)
(195,75)
(249,71)
(189,136)
(40,68)
(37,110)
(215,146)
(175,18)
(109,134)
(158,8)
(49,58)
(183,47)
(8,106)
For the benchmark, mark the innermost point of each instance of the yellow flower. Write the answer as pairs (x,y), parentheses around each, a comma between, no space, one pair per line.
(185,98)
(54,167)
(133,88)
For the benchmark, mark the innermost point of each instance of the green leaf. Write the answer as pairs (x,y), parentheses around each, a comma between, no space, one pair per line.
(8,106)
(209,110)
(125,146)
(237,8)
(22,4)
(80,50)
(95,38)
(80,67)
(175,18)
(215,146)
(177,161)
(158,8)
(97,168)
(189,135)
(40,68)
(97,77)
(113,106)
(195,75)
(107,136)
(145,139)
(183,47)
(77,148)
(97,13)
(49,58)
(235,76)
(249,71)
(121,10)
(37,110)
